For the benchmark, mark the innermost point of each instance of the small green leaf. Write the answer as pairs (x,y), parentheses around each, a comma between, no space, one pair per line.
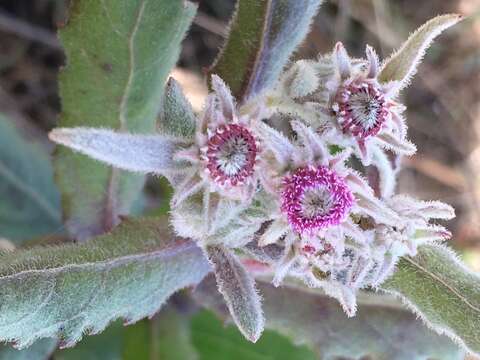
(68,290)
(119,53)
(214,341)
(29,199)
(381,330)
(40,350)
(443,292)
(263,36)
(177,118)
(238,289)
(402,65)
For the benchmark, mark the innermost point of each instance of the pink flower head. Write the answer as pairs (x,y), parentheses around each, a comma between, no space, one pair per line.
(364,109)
(231,155)
(361,109)
(314,192)
(225,151)
(315,198)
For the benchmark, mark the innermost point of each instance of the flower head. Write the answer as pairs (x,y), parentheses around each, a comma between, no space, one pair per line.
(350,107)
(231,154)
(361,109)
(225,152)
(315,198)
(318,198)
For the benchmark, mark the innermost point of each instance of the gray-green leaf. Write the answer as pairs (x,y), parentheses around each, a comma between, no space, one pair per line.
(29,199)
(402,65)
(177,118)
(263,36)
(443,292)
(69,290)
(119,53)
(381,329)
(238,289)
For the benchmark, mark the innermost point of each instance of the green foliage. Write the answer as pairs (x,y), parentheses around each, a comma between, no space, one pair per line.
(215,341)
(119,53)
(172,335)
(234,65)
(116,343)
(106,346)
(238,289)
(263,35)
(40,350)
(30,203)
(381,329)
(402,65)
(177,118)
(165,337)
(68,290)
(442,291)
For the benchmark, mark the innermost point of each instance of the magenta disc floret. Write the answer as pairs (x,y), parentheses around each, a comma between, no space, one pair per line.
(361,109)
(231,154)
(315,198)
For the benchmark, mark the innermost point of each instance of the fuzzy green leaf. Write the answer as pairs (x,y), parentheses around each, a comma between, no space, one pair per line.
(71,289)
(119,53)
(238,289)
(442,291)
(402,65)
(177,118)
(381,329)
(30,202)
(263,36)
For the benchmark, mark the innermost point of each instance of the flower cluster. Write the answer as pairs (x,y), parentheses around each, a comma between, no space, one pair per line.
(279,170)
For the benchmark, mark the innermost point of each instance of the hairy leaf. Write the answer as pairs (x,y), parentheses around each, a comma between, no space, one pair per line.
(119,53)
(71,289)
(263,36)
(140,153)
(238,289)
(214,341)
(381,329)
(29,199)
(40,350)
(177,118)
(402,65)
(165,337)
(442,291)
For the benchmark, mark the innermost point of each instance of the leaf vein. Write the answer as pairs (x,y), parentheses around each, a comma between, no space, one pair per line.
(442,282)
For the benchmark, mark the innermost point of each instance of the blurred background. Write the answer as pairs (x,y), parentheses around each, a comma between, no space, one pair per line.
(443,100)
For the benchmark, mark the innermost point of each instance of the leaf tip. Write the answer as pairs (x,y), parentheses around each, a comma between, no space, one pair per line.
(402,64)
(59,135)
